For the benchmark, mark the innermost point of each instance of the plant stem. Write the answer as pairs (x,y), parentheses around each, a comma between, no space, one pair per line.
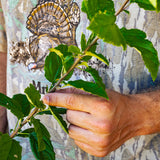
(122,7)
(24,122)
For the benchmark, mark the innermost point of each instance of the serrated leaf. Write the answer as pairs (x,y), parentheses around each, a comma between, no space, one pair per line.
(41,132)
(153,5)
(47,154)
(91,7)
(59,119)
(53,67)
(83,42)
(9,148)
(98,56)
(89,87)
(23,102)
(74,49)
(95,75)
(12,105)
(137,39)
(34,96)
(104,26)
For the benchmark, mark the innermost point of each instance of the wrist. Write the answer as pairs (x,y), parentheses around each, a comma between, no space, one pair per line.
(145,113)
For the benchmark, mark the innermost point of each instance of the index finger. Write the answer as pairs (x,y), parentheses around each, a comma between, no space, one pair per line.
(79,102)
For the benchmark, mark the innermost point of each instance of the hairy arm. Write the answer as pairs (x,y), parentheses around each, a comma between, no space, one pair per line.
(99,126)
(3,114)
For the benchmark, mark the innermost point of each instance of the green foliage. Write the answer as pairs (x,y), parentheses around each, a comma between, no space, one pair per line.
(52,67)
(41,132)
(153,5)
(59,118)
(57,110)
(34,96)
(137,39)
(104,26)
(9,148)
(26,133)
(74,49)
(12,104)
(23,102)
(47,154)
(92,7)
(90,87)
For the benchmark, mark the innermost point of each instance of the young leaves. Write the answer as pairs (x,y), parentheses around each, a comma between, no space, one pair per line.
(137,39)
(9,148)
(91,7)
(103,25)
(52,67)
(153,5)
(47,154)
(34,97)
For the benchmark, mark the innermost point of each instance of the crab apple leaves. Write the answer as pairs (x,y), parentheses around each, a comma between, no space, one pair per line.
(137,39)
(53,67)
(47,154)
(83,42)
(153,5)
(11,104)
(57,110)
(98,56)
(74,49)
(9,148)
(104,26)
(91,7)
(25,133)
(24,103)
(34,96)
(95,75)
(90,87)
(41,132)
(59,119)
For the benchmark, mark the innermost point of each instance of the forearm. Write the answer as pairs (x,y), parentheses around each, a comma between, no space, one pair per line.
(3,114)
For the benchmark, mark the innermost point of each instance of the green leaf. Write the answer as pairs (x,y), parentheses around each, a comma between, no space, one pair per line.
(83,42)
(104,26)
(41,132)
(89,87)
(153,5)
(34,96)
(12,105)
(15,152)
(137,39)
(74,49)
(91,7)
(47,154)
(52,67)
(24,103)
(9,148)
(59,119)
(58,110)
(25,133)
(95,75)
(98,56)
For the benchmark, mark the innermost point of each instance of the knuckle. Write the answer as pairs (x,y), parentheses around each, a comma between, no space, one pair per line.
(104,106)
(102,154)
(101,142)
(70,100)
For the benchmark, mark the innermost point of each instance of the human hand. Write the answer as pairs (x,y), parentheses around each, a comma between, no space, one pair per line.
(99,126)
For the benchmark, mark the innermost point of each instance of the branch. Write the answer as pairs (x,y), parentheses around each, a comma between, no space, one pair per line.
(122,7)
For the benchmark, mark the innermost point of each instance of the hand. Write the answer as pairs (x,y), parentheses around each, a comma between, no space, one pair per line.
(99,126)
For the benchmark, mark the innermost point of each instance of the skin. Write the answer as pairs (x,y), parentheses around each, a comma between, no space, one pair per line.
(3,114)
(99,126)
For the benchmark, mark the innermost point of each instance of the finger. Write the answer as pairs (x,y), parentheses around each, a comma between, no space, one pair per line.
(71,101)
(99,141)
(91,150)
(87,121)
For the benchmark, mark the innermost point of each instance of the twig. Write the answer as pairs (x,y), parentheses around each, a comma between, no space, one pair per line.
(122,7)
(24,122)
